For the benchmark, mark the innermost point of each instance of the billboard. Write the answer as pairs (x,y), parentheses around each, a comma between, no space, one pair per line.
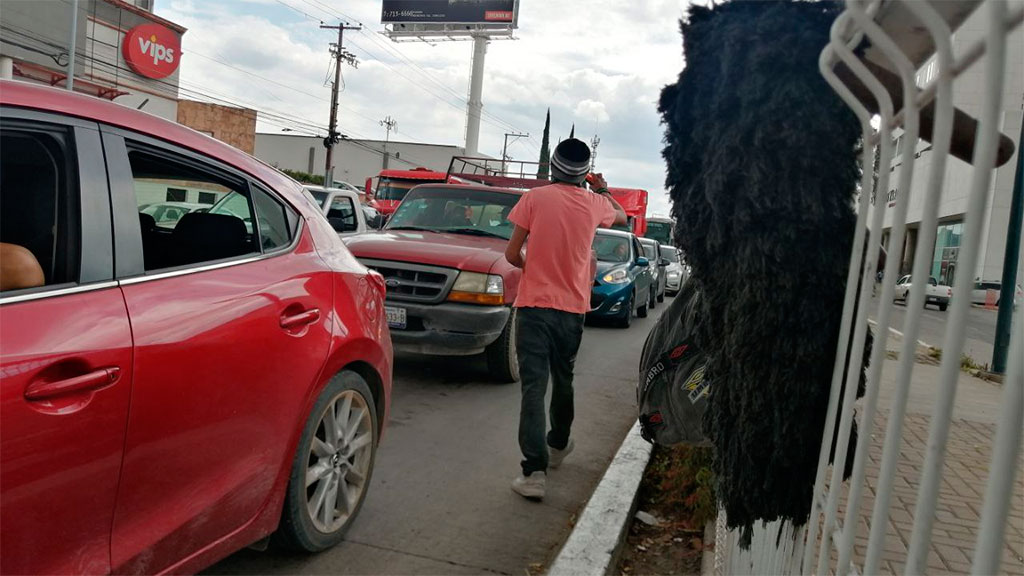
(501,13)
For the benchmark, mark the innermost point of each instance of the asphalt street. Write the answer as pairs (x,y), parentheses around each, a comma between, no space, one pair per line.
(440,501)
(980,328)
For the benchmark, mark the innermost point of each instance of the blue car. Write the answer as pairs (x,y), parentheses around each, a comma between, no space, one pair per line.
(623,281)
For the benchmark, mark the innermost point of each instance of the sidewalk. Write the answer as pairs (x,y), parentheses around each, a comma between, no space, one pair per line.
(964,479)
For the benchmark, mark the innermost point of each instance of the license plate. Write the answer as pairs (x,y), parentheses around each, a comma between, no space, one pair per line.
(933,299)
(395,316)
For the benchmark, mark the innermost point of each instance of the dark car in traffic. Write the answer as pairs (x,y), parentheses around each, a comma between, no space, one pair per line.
(623,283)
(658,265)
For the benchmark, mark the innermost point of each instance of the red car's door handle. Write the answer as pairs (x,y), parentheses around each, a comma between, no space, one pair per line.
(300,319)
(76,384)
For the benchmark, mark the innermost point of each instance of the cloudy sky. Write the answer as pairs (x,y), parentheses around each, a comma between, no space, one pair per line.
(597,63)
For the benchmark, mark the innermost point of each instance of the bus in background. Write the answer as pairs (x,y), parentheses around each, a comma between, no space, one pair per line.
(393,185)
(634,203)
(661,229)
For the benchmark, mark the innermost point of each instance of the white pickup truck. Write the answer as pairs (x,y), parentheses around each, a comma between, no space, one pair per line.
(343,209)
(935,293)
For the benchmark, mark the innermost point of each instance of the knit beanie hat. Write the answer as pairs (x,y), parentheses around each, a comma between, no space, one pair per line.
(571,161)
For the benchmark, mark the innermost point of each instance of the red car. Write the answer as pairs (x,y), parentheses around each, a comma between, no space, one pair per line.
(171,395)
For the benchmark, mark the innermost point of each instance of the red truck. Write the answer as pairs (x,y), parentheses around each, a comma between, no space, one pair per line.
(393,185)
(634,203)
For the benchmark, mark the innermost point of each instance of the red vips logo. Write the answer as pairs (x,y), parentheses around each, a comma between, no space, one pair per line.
(152,50)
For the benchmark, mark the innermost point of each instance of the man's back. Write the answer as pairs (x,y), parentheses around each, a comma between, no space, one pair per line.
(561,220)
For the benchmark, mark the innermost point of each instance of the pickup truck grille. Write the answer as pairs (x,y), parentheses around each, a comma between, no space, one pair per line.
(414,282)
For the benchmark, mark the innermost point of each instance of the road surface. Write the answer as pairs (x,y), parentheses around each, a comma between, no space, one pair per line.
(980,328)
(440,501)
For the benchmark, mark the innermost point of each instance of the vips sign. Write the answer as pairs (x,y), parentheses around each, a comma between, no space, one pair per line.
(498,12)
(152,50)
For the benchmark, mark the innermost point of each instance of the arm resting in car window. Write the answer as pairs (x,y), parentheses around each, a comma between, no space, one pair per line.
(19,268)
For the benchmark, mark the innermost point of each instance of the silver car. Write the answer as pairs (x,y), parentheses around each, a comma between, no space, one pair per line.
(675,272)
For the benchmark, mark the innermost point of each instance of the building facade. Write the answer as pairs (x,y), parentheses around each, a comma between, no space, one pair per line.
(234,126)
(123,52)
(353,160)
(968,94)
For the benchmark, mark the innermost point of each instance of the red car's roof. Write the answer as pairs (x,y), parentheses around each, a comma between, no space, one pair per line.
(416,174)
(45,98)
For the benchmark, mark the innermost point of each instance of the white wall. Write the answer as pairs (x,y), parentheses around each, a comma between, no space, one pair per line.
(968,95)
(352,163)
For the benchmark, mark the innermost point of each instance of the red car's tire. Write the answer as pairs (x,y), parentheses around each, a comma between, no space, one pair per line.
(339,461)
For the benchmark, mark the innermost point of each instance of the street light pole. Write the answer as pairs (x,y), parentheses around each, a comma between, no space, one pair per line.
(1007,291)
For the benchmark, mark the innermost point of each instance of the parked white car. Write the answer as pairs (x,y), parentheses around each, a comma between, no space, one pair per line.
(342,209)
(935,293)
(979,293)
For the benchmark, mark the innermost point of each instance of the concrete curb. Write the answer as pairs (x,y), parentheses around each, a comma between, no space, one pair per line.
(593,546)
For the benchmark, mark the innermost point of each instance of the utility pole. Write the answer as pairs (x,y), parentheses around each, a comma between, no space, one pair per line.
(389,124)
(1004,317)
(504,150)
(340,55)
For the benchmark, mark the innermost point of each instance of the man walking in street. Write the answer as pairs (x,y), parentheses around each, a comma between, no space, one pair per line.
(560,221)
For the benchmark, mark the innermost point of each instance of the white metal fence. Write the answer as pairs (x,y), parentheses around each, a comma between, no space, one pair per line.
(880,86)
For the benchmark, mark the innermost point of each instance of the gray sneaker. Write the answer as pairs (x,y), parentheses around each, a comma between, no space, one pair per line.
(531,486)
(556,456)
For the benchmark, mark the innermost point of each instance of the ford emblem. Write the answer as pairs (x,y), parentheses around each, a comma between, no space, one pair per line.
(392,283)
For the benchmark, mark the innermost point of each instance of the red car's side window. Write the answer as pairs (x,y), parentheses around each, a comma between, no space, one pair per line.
(38,212)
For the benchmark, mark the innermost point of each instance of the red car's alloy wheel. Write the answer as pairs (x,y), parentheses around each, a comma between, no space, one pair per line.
(339,461)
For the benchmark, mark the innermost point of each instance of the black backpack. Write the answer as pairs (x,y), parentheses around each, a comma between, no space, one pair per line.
(672,394)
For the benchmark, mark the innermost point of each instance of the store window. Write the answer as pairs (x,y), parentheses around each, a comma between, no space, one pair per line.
(947,249)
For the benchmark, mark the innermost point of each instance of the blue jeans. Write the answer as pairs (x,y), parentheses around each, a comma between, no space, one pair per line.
(547,341)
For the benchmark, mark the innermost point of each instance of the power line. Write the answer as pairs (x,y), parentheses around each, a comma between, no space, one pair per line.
(174,91)
(489,117)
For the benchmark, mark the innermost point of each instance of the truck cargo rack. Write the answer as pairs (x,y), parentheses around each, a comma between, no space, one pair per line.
(520,174)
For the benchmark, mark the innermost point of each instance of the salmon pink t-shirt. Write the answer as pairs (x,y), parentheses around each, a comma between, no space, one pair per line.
(562,220)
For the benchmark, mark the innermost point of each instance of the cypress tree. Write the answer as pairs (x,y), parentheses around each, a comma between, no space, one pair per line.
(545,153)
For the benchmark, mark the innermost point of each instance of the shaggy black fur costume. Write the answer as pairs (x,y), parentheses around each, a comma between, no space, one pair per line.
(762,171)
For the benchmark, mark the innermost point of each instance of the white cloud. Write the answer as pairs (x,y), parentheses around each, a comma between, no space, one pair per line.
(600,64)
(589,109)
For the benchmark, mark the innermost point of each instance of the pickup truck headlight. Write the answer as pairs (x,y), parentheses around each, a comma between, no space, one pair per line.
(477,288)
(618,276)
